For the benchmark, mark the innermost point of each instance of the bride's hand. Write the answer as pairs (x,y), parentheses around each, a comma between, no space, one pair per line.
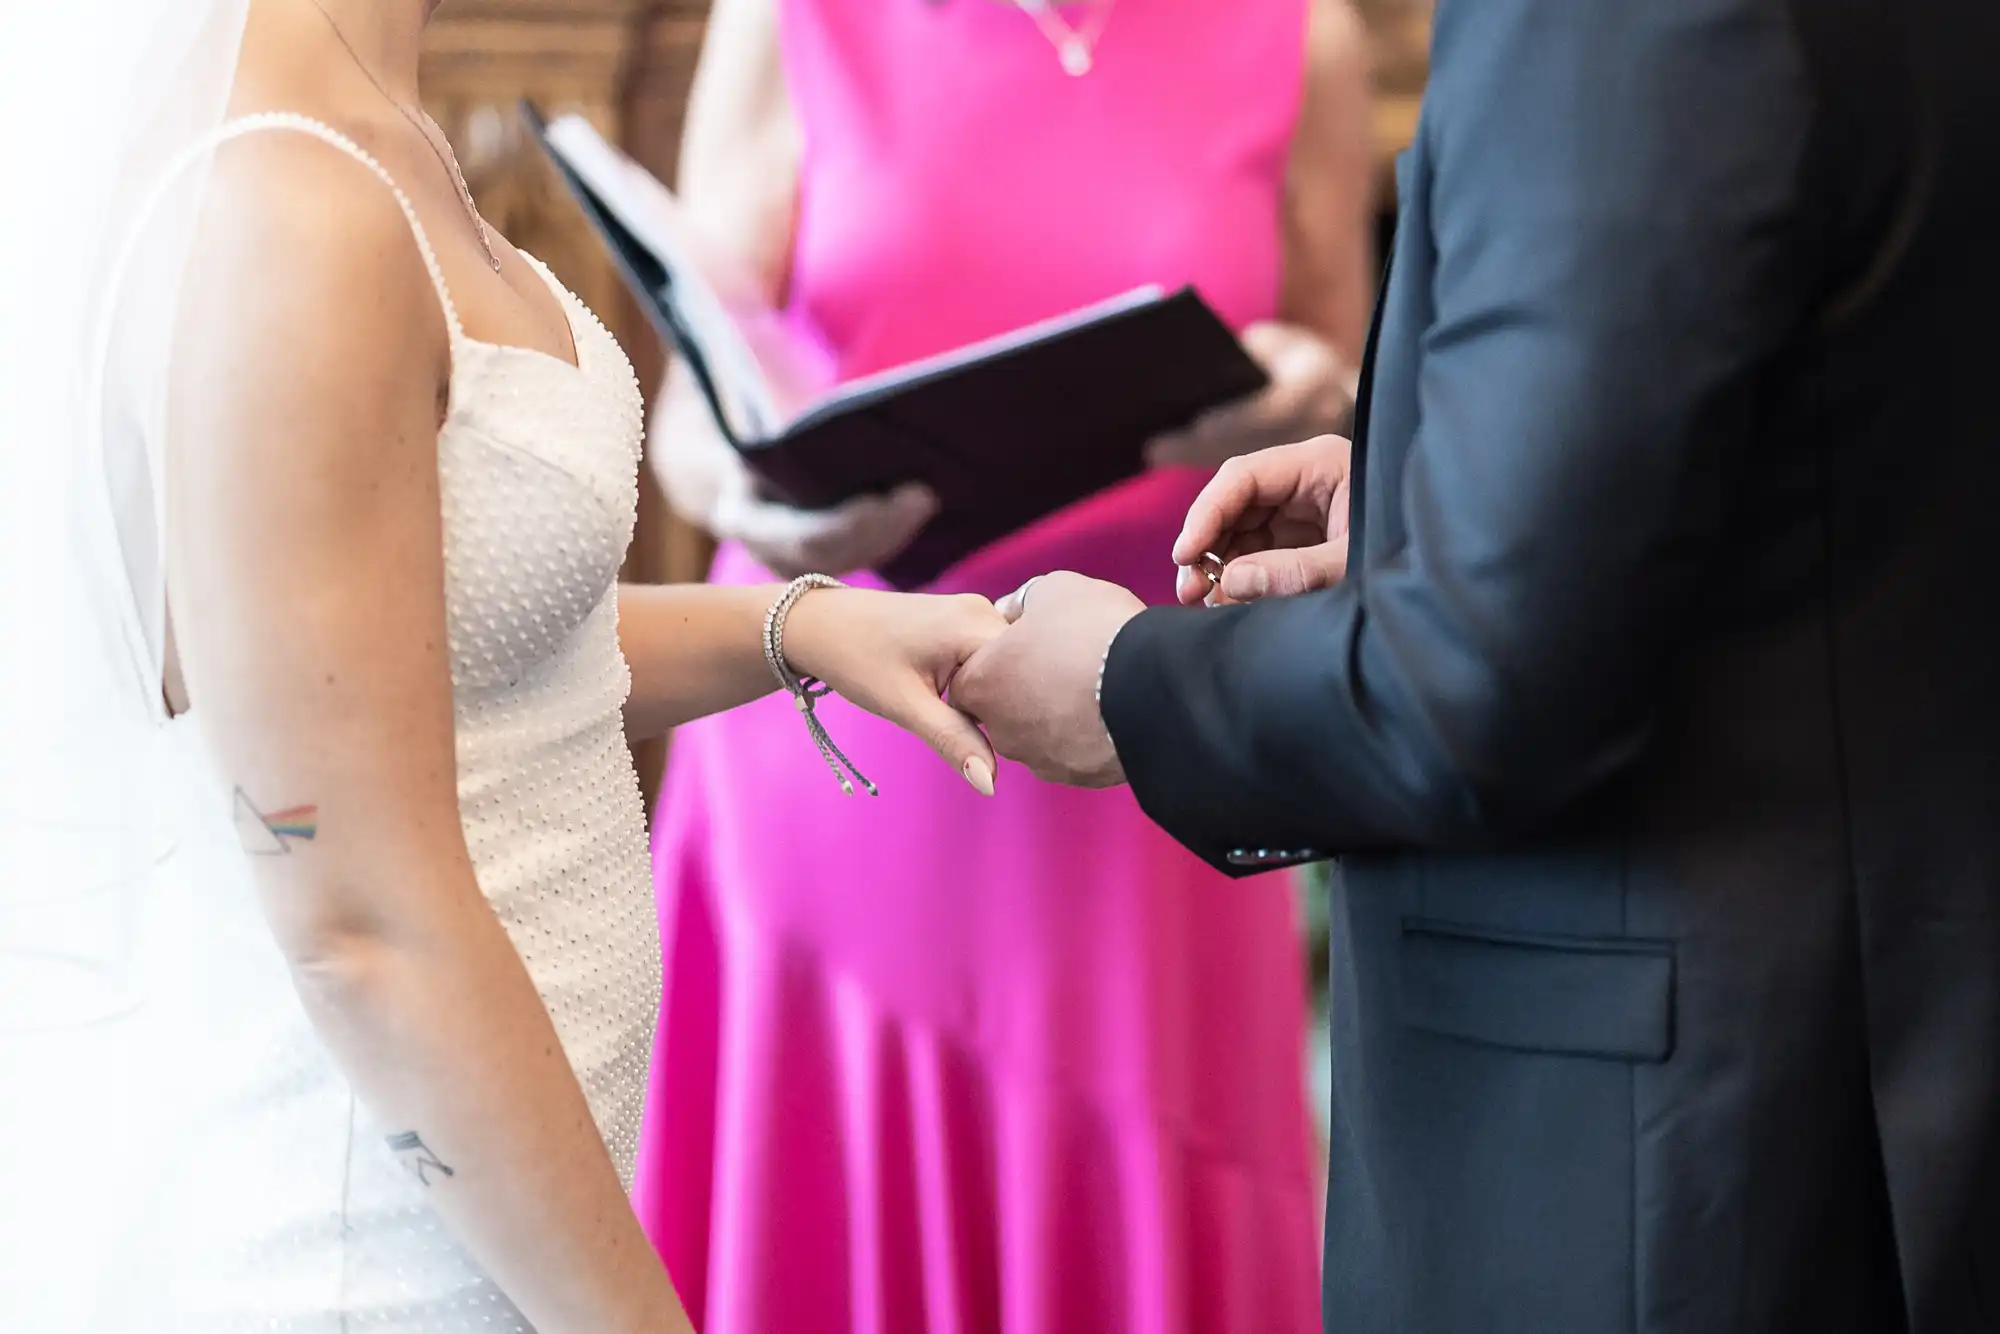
(894,654)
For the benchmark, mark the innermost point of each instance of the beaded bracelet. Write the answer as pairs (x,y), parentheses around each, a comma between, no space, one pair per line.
(806,691)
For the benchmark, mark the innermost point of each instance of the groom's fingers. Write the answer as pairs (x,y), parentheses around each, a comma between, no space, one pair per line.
(1015,602)
(1257,484)
(1284,574)
(1259,481)
(1191,586)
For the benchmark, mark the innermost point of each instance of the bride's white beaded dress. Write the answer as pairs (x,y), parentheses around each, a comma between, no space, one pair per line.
(274,1205)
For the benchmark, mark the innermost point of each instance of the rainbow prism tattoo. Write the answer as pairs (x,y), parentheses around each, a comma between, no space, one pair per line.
(272,833)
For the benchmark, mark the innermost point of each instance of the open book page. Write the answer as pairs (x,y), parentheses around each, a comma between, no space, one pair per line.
(766,372)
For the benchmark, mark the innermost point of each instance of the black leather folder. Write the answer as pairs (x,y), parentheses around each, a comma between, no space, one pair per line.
(1005,432)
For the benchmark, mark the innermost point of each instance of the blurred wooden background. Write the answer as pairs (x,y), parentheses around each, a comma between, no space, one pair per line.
(1401,33)
(627,64)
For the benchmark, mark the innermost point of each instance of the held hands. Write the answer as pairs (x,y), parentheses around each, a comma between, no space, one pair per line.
(1028,669)
(1034,687)
(1277,517)
(894,655)
(1278,520)
(1311,391)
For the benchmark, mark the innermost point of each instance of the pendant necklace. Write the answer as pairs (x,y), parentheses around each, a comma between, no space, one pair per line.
(1076,47)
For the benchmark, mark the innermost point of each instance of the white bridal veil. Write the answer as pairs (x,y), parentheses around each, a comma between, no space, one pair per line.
(101,102)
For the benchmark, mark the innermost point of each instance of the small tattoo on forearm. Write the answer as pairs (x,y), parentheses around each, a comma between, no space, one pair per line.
(272,833)
(417,1158)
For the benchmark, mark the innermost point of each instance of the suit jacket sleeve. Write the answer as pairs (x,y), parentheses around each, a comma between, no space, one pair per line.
(1612,208)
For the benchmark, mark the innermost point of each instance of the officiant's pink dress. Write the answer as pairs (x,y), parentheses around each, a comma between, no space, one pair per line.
(930,1062)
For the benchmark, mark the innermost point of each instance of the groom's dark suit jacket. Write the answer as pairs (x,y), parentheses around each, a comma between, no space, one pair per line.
(1657,726)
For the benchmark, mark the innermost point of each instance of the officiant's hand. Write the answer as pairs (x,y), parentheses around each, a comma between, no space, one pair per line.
(1311,391)
(858,535)
(708,485)
(894,654)
(1034,688)
(1277,518)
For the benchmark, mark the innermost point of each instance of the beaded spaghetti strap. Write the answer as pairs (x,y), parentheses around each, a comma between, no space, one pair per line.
(145,651)
(326,134)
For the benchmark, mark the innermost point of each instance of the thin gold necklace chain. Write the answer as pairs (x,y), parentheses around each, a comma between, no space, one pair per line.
(431,135)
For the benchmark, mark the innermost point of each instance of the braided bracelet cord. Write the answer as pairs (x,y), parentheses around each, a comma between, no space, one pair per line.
(806,691)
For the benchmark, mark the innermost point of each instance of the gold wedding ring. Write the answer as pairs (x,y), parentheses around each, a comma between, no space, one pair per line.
(1211,566)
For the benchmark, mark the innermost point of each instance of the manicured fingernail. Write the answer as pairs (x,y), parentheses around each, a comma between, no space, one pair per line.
(980,776)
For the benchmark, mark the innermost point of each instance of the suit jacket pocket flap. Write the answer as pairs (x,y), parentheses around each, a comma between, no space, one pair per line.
(1563,996)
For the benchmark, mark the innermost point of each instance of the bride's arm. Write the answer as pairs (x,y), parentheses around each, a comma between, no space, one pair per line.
(694,649)
(306,573)
(697,649)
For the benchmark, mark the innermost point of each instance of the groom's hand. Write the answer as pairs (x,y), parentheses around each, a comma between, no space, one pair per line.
(1034,688)
(1277,519)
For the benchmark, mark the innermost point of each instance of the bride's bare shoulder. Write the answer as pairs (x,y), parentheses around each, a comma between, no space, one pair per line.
(301,240)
